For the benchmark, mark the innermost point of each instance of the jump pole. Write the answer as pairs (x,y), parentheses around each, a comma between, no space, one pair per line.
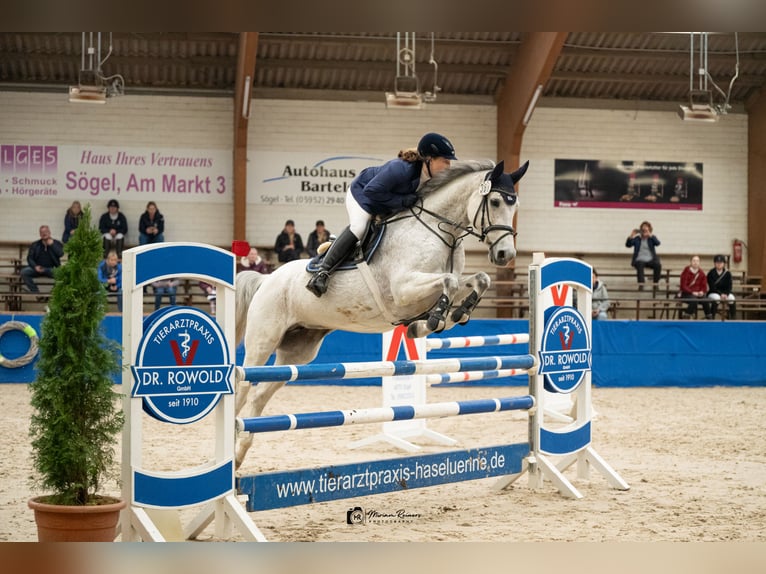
(173,344)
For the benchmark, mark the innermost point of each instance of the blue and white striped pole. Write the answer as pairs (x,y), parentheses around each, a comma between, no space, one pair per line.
(468,376)
(381,414)
(476,341)
(335,371)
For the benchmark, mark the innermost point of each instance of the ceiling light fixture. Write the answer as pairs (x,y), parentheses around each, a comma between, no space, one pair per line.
(92,86)
(407,94)
(532,104)
(701,106)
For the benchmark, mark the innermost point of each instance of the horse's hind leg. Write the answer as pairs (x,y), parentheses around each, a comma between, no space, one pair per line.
(472,290)
(299,346)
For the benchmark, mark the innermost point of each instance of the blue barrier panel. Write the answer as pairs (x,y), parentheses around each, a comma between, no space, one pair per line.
(305,486)
(625,353)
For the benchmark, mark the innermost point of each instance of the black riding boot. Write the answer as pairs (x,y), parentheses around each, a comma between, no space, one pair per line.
(732,311)
(119,246)
(107,246)
(339,249)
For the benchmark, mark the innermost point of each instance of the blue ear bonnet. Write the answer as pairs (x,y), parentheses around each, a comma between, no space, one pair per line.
(503,184)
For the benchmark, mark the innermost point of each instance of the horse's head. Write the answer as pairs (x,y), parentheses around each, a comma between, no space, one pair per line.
(494,206)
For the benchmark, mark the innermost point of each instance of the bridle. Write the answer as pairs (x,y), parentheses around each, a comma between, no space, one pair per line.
(485,226)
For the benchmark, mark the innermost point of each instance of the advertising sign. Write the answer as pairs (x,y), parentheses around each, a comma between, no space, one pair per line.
(628,184)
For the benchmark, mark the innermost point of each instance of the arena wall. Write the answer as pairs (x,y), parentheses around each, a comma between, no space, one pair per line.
(291,126)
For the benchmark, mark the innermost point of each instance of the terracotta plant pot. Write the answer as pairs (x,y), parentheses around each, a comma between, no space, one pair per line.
(92,523)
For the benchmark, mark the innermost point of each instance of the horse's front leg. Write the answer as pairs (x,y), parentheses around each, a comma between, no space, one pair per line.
(422,288)
(470,293)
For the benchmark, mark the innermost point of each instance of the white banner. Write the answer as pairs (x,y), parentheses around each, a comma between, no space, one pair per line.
(84,172)
(300,178)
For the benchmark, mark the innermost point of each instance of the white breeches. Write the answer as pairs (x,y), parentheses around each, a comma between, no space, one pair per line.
(358,218)
(717,297)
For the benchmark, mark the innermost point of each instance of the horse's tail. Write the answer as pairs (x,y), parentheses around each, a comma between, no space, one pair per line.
(246,284)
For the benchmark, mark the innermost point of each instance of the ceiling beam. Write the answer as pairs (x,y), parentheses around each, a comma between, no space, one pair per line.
(531,68)
(243,95)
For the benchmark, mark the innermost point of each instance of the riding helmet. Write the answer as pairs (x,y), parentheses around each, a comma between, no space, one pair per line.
(436,145)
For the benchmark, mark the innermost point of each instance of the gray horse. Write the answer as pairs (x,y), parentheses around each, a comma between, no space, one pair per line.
(415,278)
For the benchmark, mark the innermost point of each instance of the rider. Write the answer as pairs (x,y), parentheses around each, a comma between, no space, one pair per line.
(383,190)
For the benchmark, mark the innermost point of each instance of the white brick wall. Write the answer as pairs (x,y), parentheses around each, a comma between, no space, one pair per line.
(370,128)
(634,135)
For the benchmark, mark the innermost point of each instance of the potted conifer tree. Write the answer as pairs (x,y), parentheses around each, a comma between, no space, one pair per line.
(76,414)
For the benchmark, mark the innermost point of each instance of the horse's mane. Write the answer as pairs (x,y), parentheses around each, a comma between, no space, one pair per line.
(455,171)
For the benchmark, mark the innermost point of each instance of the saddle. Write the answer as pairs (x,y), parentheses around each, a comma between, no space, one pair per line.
(364,250)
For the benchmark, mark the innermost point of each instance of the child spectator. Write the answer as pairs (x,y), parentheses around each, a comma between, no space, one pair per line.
(110,275)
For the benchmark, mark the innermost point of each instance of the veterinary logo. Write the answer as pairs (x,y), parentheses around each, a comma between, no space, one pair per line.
(182,365)
(566,350)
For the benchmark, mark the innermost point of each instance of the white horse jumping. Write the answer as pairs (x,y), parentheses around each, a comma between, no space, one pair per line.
(414,278)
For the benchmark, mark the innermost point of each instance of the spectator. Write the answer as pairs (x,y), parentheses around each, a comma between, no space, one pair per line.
(165,287)
(253,262)
(289,244)
(71,220)
(43,257)
(110,275)
(600,299)
(643,242)
(694,289)
(209,290)
(151,225)
(114,226)
(320,235)
(719,285)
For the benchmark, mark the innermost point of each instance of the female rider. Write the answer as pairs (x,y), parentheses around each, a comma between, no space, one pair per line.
(383,190)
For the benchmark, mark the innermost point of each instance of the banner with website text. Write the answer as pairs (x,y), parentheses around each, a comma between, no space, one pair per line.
(628,184)
(80,172)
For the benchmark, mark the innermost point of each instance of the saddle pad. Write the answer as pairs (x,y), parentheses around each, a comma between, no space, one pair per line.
(369,247)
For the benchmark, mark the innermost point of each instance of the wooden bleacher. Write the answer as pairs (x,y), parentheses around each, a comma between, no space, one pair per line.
(506,298)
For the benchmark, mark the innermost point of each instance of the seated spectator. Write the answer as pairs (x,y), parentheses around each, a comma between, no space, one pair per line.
(600,299)
(289,244)
(320,235)
(719,285)
(151,226)
(165,287)
(113,225)
(71,220)
(110,275)
(210,291)
(643,241)
(253,262)
(694,289)
(43,257)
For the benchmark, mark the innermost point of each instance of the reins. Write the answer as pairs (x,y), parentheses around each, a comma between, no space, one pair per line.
(455,240)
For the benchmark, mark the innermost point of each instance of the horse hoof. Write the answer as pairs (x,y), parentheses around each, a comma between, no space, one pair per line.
(436,324)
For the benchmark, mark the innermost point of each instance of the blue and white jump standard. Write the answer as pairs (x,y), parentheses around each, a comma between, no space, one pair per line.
(150,387)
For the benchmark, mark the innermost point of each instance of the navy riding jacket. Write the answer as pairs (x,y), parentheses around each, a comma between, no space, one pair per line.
(387,188)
